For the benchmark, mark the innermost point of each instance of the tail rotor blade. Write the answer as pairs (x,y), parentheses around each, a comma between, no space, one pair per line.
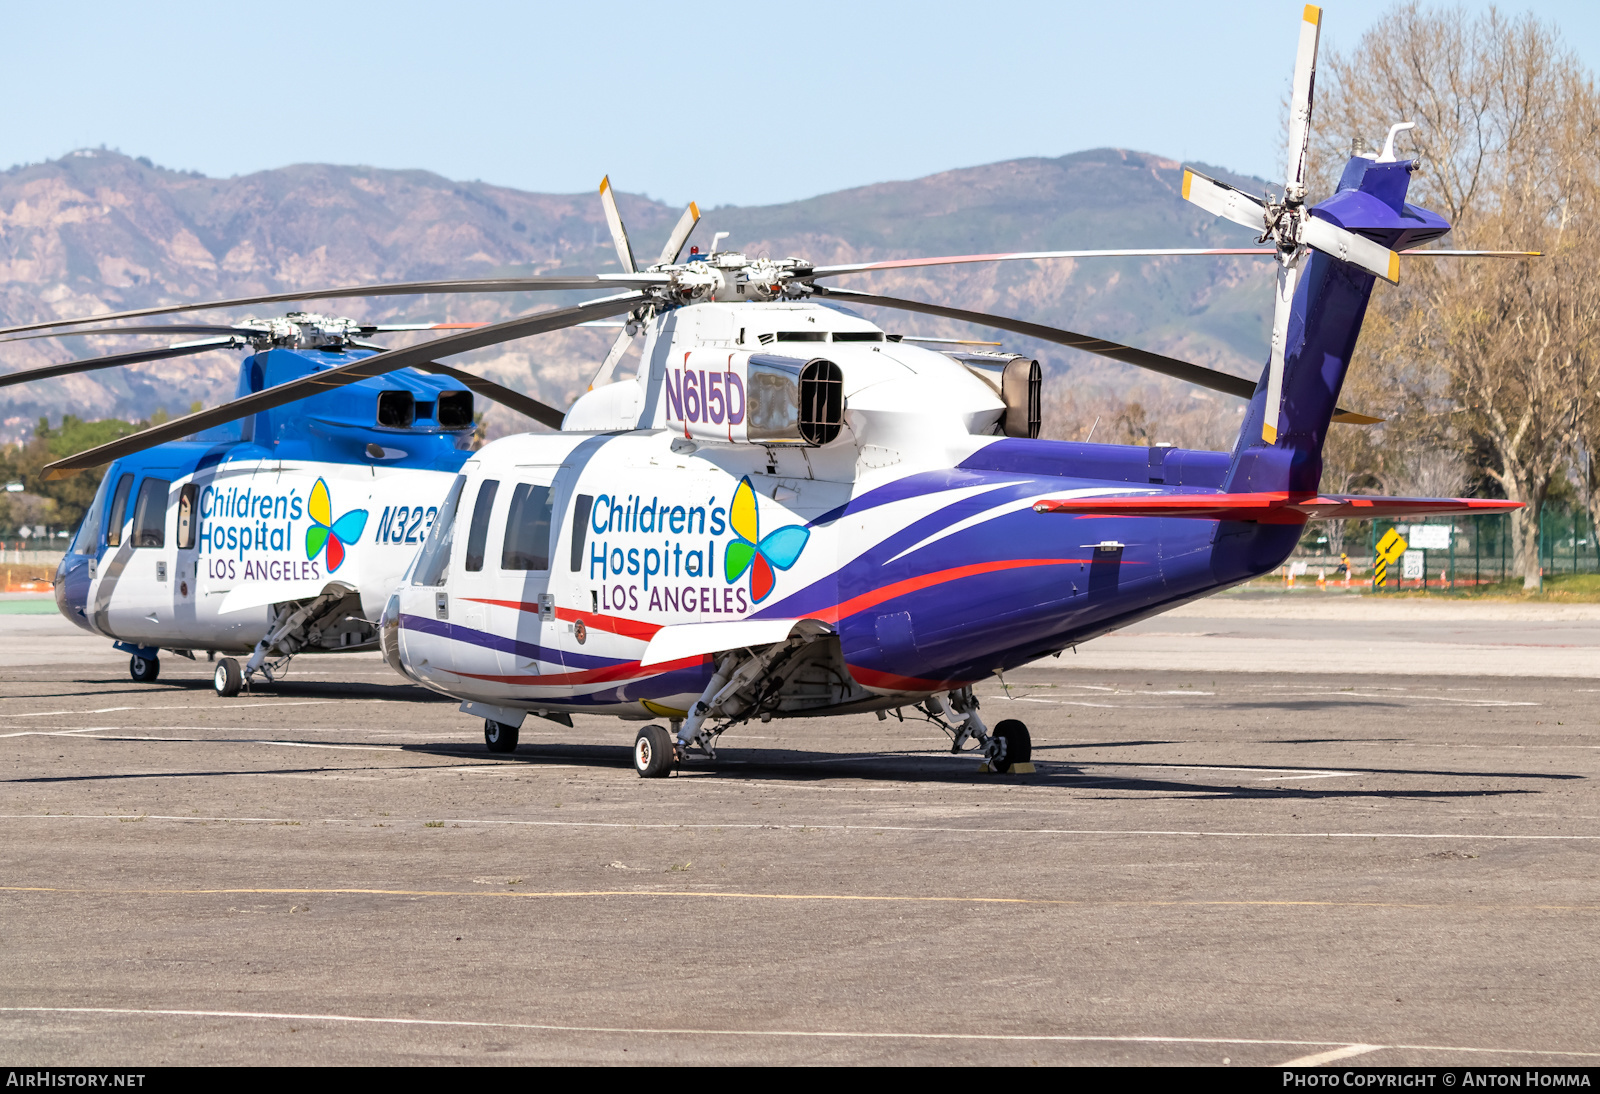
(619,234)
(1346,246)
(1288,278)
(680,234)
(1305,78)
(613,358)
(1220,199)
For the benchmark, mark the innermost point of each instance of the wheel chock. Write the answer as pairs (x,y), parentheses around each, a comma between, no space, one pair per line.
(1025,768)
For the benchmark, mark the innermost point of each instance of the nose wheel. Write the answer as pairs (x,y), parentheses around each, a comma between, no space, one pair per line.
(654,753)
(144,670)
(227,679)
(499,737)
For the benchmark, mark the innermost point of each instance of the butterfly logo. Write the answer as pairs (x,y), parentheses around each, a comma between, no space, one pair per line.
(748,551)
(325,531)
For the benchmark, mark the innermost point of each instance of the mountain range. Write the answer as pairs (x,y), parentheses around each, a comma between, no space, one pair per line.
(98,231)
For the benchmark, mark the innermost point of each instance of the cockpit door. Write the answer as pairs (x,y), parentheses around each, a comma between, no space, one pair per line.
(521,568)
(139,607)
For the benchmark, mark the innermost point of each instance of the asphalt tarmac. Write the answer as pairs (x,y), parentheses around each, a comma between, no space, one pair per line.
(1210,867)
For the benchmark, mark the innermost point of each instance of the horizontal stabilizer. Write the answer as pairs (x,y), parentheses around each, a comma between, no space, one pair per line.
(1272,507)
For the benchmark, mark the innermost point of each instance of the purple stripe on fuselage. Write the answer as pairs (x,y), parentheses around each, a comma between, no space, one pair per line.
(532,651)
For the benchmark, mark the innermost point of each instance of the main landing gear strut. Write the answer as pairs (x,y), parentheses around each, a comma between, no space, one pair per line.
(1006,748)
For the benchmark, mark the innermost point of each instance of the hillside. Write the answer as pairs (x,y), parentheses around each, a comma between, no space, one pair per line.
(98,231)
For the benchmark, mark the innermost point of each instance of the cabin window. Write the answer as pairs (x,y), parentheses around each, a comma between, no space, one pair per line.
(150,514)
(802,336)
(433,561)
(478,533)
(186,522)
(858,336)
(527,545)
(87,539)
(119,511)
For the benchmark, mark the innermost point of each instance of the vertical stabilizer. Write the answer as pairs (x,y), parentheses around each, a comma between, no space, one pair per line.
(1329,304)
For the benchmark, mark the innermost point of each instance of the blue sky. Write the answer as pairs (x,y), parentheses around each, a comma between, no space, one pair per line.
(723,103)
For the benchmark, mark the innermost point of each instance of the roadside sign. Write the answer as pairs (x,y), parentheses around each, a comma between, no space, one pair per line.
(1412,566)
(1298,569)
(1431,537)
(1390,548)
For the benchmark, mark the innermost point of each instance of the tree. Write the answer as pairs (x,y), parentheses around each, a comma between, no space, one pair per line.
(70,496)
(1507,128)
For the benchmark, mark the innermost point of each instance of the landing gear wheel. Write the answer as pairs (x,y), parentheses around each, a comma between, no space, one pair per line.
(1018,743)
(499,736)
(144,670)
(654,752)
(227,679)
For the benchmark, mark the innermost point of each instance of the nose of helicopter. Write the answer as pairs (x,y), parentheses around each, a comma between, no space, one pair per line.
(72,590)
(389,635)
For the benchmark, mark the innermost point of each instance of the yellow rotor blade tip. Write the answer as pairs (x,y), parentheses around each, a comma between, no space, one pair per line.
(1269,434)
(1188,176)
(694,210)
(1313,15)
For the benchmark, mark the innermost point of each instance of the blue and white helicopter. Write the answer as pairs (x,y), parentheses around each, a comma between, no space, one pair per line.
(276,534)
(789,512)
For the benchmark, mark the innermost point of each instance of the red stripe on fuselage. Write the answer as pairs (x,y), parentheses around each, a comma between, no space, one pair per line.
(915,584)
(627,628)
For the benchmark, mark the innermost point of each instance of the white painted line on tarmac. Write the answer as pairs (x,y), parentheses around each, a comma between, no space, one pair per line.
(181,706)
(857,1035)
(1314,773)
(1317,1059)
(1069,702)
(739,825)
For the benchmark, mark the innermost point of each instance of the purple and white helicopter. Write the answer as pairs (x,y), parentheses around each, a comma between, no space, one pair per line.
(789,512)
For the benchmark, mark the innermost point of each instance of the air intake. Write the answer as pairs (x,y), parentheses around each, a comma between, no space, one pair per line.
(455,409)
(1022,388)
(396,409)
(821,401)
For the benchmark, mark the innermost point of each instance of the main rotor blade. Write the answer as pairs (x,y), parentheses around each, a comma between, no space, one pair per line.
(183,349)
(1346,246)
(381,328)
(542,413)
(952,260)
(1300,102)
(619,234)
(1215,197)
(680,234)
(1221,200)
(229,328)
(162,328)
(1440,252)
(408,288)
(1198,375)
(521,327)
(1154,362)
